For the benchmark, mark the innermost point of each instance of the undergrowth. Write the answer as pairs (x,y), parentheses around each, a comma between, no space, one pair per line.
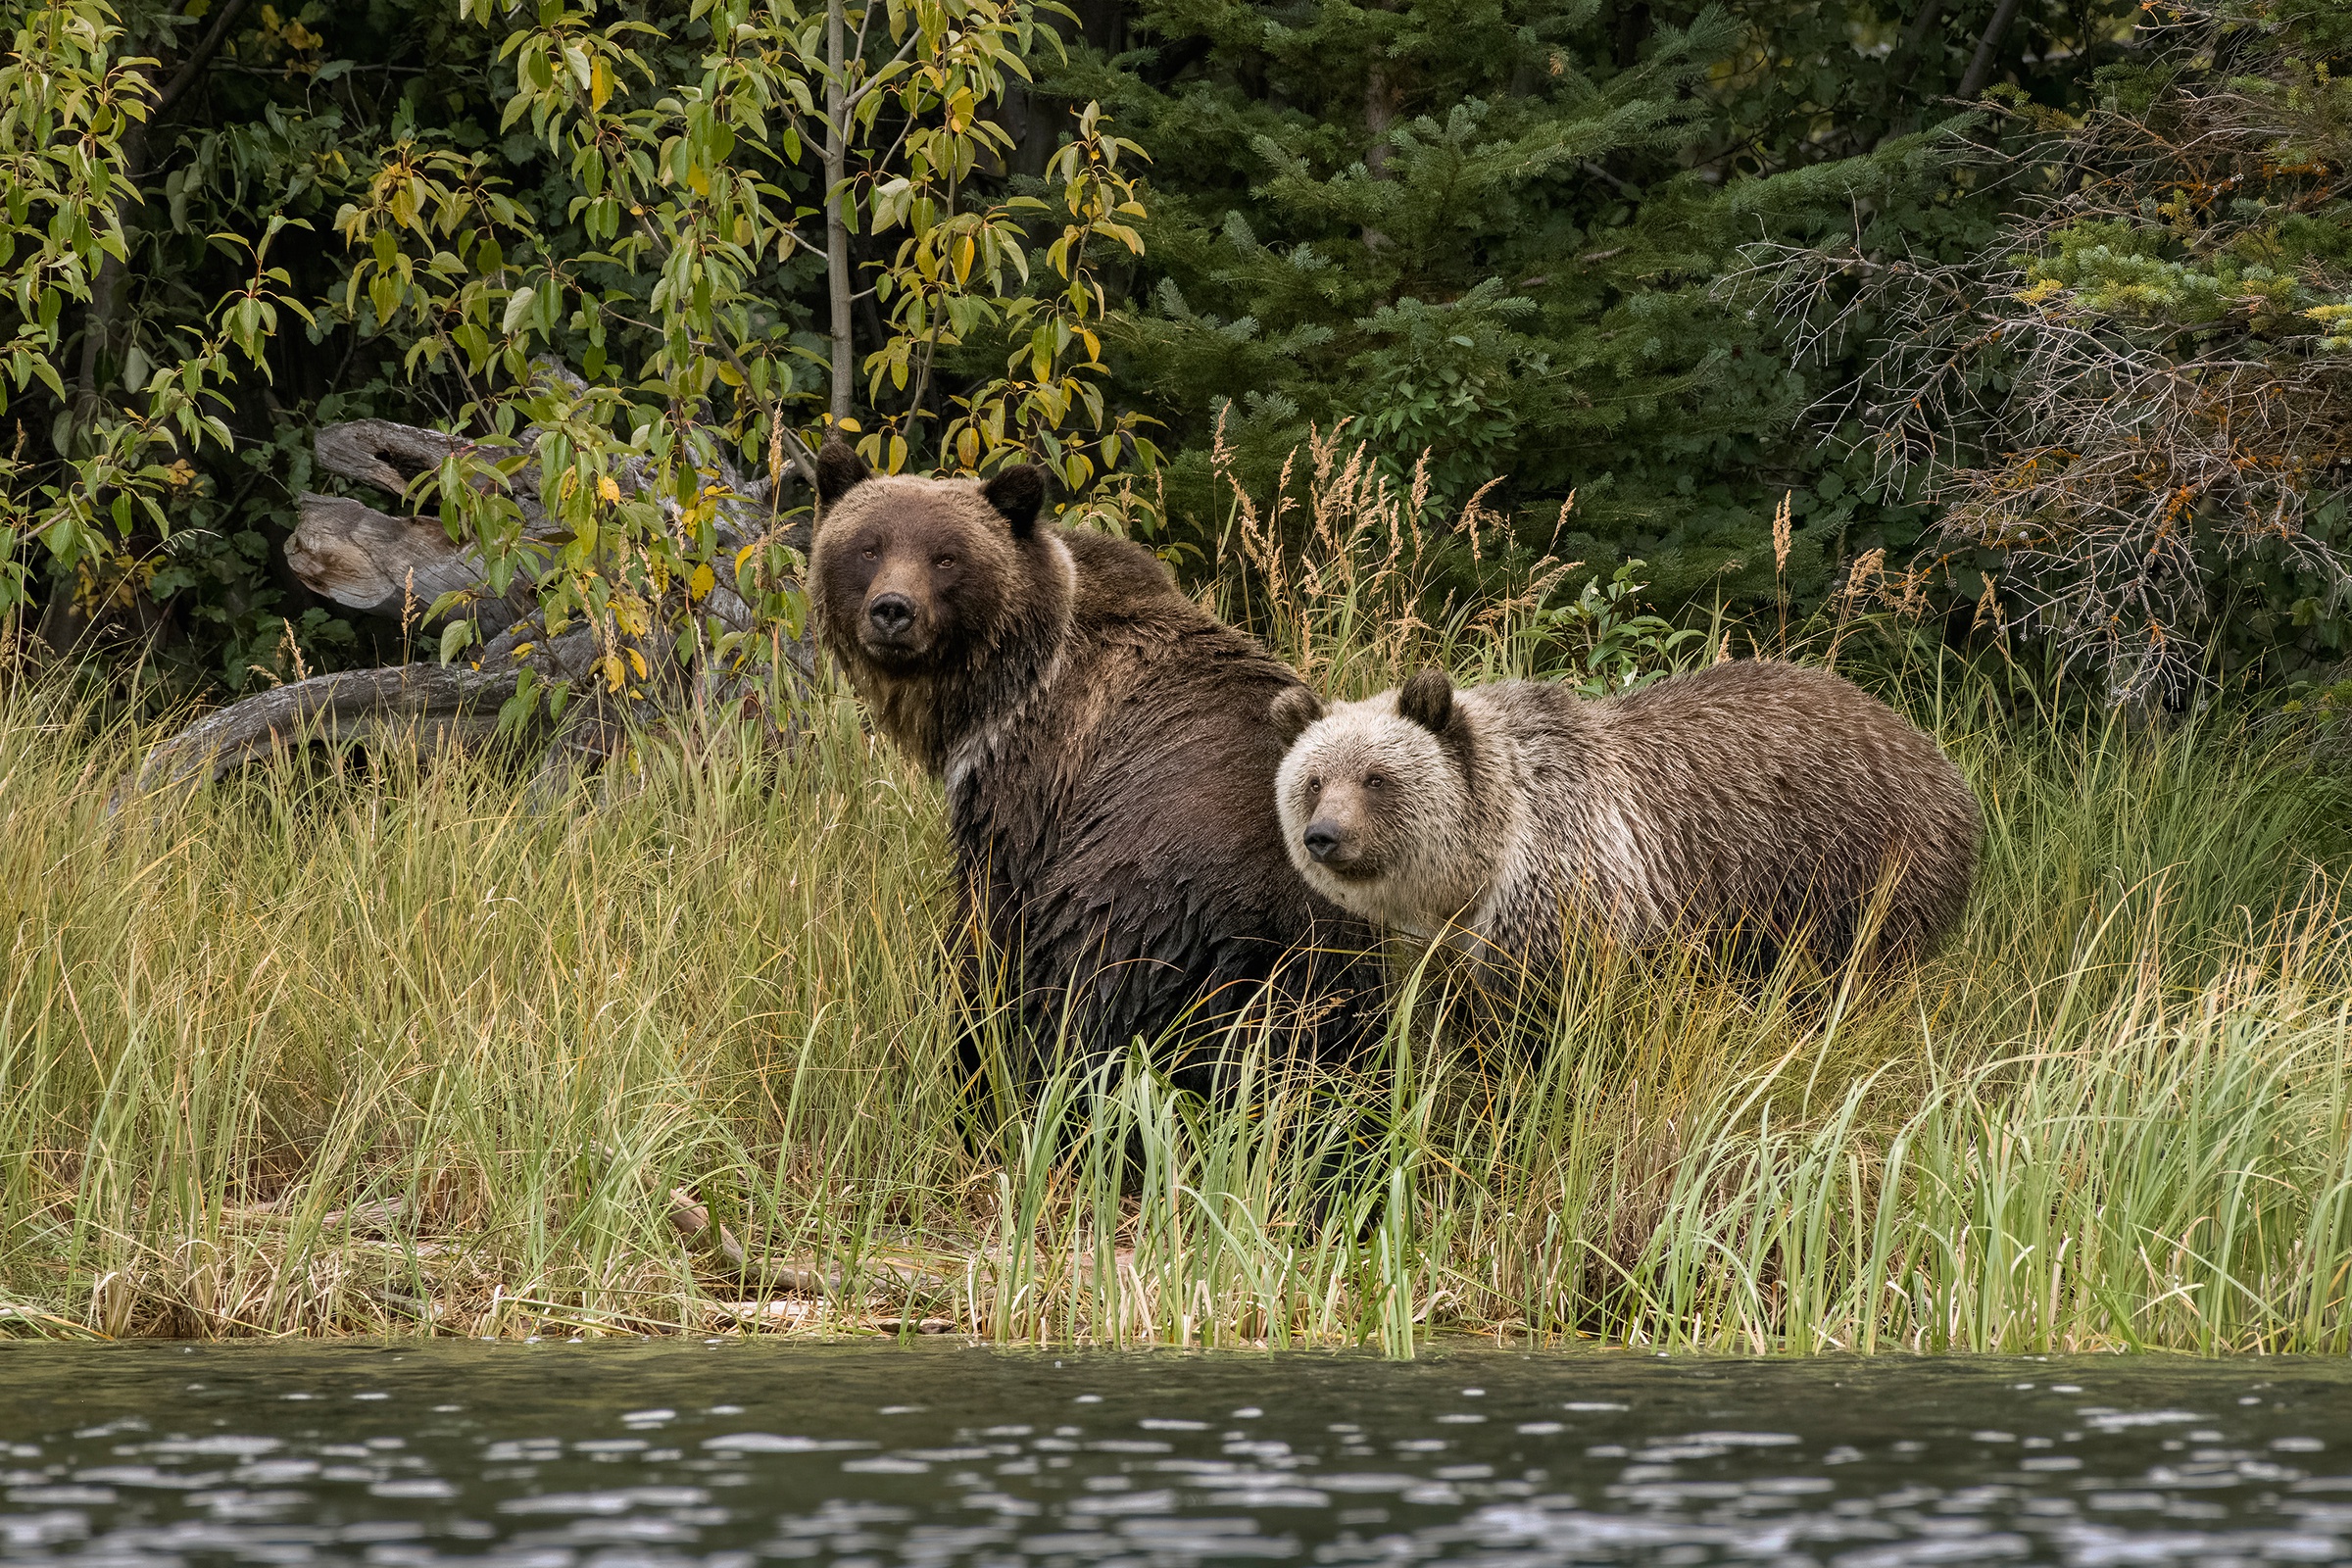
(334,1048)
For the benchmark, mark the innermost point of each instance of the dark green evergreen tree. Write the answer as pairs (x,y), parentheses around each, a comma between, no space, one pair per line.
(1495,230)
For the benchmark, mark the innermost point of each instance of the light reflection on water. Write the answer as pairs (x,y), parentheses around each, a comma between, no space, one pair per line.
(732,1455)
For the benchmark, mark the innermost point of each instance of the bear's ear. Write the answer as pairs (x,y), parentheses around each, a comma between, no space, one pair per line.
(1426,700)
(838,470)
(1295,708)
(1016,493)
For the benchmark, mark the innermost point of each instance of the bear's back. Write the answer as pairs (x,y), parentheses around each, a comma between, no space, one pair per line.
(1783,792)
(1796,796)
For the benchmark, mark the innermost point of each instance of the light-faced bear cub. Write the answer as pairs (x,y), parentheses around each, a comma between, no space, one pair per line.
(1749,804)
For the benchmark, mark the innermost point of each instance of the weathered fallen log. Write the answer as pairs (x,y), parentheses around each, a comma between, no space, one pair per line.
(382,452)
(379,564)
(376,563)
(433,706)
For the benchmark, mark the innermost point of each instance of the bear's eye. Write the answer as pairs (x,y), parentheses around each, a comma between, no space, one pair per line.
(1314,786)
(945,563)
(1374,781)
(869,552)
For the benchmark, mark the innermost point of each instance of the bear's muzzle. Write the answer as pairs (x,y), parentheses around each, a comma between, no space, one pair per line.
(1329,844)
(892,625)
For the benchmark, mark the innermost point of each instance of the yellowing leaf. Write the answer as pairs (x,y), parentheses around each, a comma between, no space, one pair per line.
(613,671)
(599,83)
(606,487)
(701,582)
(637,663)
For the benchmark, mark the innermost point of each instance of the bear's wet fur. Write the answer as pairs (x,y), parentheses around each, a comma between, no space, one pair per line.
(1109,754)
(1748,805)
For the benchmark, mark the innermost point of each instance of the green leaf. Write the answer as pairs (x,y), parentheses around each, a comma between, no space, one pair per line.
(518,307)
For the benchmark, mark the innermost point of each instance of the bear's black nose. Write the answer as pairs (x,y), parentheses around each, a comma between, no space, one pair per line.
(1321,837)
(891,613)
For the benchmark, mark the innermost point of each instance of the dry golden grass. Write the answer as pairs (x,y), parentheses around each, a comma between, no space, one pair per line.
(328,1051)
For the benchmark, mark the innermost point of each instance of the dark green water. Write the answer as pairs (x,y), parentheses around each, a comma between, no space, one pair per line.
(736,1456)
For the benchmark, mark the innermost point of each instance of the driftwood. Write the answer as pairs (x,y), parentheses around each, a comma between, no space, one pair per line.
(369,560)
(382,453)
(384,563)
(440,707)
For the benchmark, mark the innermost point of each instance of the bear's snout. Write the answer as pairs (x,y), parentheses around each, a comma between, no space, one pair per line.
(1325,842)
(891,615)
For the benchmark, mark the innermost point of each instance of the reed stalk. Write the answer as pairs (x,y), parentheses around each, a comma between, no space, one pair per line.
(331,1049)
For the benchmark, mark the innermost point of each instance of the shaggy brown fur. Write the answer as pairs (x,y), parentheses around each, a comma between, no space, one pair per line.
(1107,750)
(1754,802)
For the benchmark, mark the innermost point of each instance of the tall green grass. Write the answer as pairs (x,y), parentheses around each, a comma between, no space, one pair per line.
(328,1051)
(325,1048)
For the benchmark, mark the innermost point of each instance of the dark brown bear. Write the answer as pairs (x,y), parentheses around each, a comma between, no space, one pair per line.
(1109,754)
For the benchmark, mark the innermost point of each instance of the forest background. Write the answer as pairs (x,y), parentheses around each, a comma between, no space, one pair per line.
(2029,320)
(1999,346)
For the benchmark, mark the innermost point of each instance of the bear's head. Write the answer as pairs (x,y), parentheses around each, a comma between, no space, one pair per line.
(1375,800)
(913,577)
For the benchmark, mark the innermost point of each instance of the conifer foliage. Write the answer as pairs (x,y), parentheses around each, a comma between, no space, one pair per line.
(1491,234)
(1784,298)
(2132,410)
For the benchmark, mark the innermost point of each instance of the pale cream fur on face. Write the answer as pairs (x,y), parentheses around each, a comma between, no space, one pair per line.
(1414,867)
(1747,796)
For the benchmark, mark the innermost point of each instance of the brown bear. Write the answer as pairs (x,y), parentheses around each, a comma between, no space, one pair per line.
(1750,803)
(1109,752)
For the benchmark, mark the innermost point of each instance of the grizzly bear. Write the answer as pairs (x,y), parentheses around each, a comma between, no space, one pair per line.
(1108,753)
(1749,804)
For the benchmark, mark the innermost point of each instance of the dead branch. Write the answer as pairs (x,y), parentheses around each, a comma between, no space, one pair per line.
(2114,459)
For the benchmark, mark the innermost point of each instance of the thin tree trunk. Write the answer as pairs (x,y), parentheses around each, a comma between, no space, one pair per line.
(1915,34)
(106,289)
(1902,66)
(840,282)
(1382,97)
(1380,114)
(1632,26)
(1979,70)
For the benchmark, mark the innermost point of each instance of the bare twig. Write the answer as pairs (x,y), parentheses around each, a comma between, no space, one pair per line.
(2112,458)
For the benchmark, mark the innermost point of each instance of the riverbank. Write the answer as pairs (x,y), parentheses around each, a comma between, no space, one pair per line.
(332,1052)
